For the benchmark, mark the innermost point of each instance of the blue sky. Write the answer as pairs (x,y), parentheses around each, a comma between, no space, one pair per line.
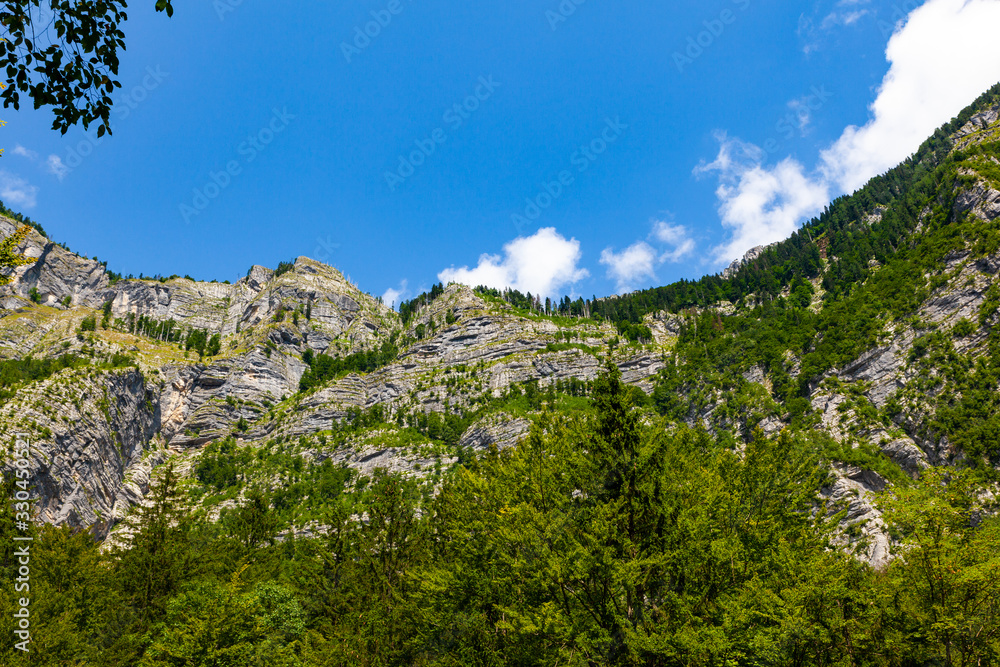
(653,141)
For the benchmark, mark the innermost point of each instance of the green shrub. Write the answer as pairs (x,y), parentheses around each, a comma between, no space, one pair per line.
(963,328)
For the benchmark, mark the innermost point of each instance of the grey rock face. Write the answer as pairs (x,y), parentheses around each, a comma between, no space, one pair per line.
(907,455)
(501,430)
(862,530)
(92,444)
(982,200)
(56,274)
(367,459)
(980,121)
(666,327)
(494,349)
(749,256)
(201,403)
(337,308)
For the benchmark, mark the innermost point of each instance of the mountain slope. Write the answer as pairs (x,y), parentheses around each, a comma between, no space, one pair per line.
(871,326)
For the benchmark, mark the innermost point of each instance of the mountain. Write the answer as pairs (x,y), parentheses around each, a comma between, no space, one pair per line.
(870,334)
(133,356)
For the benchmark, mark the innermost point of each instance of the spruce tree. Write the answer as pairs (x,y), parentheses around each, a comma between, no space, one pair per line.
(156,556)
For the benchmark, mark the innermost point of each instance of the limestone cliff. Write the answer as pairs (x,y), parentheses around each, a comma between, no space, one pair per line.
(135,392)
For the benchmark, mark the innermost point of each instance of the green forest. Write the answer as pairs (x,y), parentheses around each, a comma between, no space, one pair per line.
(791,462)
(620,531)
(605,538)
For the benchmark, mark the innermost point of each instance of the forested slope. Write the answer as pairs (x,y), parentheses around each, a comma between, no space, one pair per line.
(791,464)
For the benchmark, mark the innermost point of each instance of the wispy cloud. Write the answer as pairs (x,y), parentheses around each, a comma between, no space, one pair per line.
(812,30)
(639,261)
(394,296)
(834,19)
(16,191)
(54,165)
(24,152)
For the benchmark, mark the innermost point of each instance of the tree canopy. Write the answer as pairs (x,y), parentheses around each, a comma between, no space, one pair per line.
(65,55)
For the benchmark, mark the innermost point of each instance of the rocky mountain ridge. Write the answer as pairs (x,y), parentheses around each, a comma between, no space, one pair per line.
(254,379)
(467,368)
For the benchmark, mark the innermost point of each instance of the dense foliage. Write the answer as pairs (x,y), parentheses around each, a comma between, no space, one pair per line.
(407,309)
(323,367)
(15,373)
(66,58)
(565,307)
(601,539)
(219,465)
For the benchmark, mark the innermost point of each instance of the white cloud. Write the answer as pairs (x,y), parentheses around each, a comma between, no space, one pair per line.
(944,56)
(676,236)
(843,14)
(941,58)
(843,18)
(631,264)
(16,191)
(393,297)
(639,260)
(54,165)
(758,204)
(850,18)
(540,264)
(24,152)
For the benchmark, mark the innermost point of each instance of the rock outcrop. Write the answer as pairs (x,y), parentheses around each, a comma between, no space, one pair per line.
(94,450)
(92,441)
(135,393)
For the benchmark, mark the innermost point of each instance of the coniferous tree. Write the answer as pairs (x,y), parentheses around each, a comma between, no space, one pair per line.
(253,523)
(156,557)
